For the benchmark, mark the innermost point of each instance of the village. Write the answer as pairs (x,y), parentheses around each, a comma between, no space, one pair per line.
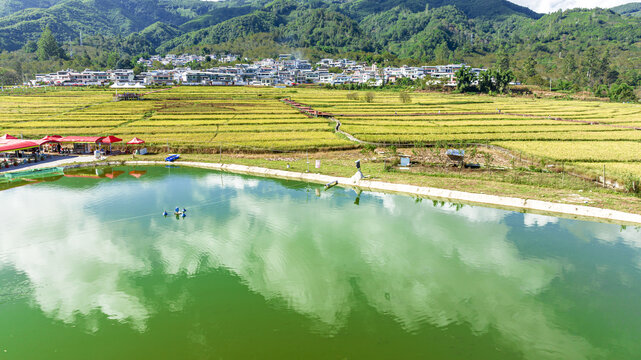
(286,70)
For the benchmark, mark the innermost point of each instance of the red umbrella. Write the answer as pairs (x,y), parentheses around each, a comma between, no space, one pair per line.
(135,141)
(110,140)
(8,137)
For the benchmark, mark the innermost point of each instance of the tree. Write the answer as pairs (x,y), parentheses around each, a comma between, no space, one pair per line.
(569,69)
(502,79)
(601,91)
(112,60)
(82,61)
(9,77)
(30,47)
(368,97)
(405,97)
(48,47)
(464,79)
(352,96)
(503,61)
(486,81)
(442,53)
(596,68)
(622,92)
(139,68)
(530,67)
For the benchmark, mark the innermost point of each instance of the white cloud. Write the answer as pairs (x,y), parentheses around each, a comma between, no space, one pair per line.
(531,220)
(546,6)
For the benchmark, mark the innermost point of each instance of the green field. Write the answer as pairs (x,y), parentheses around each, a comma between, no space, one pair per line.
(245,118)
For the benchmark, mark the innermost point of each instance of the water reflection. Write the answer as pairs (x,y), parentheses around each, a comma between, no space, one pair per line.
(420,265)
(76,269)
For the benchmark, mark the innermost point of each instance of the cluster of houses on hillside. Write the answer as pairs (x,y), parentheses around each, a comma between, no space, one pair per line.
(184,59)
(284,71)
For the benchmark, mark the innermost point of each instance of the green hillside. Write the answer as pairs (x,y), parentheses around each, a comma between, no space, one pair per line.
(631,9)
(69,18)
(575,49)
(8,7)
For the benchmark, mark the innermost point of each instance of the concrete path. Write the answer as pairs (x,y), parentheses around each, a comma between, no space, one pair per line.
(52,161)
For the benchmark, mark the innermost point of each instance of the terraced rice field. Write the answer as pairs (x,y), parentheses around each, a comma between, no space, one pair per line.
(580,132)
(254,118)
(187,117)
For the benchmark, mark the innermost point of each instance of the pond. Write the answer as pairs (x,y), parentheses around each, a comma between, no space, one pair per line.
(264,268)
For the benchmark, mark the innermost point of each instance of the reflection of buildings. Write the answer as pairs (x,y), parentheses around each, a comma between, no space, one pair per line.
(417,265)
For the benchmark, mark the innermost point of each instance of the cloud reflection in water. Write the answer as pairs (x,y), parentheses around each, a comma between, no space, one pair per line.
(417,264)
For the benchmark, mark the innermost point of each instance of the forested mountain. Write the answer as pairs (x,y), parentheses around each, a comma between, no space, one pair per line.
(631,9)
(25,20)
(8,7)
(21,21)
(564,46)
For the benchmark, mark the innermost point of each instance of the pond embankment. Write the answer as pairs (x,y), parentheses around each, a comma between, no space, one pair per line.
(509,203)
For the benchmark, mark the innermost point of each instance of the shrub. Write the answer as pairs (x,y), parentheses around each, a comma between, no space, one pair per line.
(405,97)
(622,92)
(352,96)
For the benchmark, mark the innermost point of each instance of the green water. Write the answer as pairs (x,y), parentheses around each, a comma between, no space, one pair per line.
(272,269)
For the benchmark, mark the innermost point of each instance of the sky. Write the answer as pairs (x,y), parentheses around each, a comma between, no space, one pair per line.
(545,6)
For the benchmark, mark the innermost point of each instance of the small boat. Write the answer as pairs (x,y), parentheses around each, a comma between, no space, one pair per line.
(172,157)
(330,185)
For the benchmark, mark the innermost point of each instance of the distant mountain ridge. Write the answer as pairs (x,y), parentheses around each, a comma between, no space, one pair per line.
(631,9)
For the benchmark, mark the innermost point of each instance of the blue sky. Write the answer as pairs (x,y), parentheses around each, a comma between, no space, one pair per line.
(544,6)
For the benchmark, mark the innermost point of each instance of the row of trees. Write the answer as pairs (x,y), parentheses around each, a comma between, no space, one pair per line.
(489,81)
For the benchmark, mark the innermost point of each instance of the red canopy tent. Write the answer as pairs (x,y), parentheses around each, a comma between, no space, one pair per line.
(110,140)
(135,141)
(13,145)
(8,137)
(80,139)
(43,141)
